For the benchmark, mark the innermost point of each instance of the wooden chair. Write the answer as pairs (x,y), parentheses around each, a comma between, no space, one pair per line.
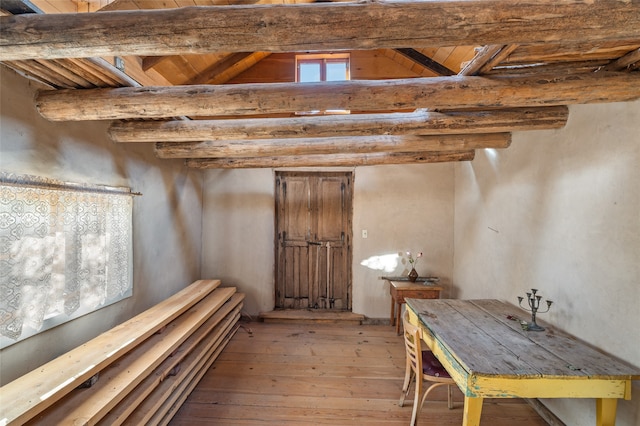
(422,366)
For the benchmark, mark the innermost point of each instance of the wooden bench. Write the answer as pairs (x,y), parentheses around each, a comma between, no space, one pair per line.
(138,372)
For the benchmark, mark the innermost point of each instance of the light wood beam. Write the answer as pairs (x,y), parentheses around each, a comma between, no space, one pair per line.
(456,92)
(481,58)
(316,26)
(313,146)
(623,62)
(331,160)
(420,122)
(497,58)
(558,68)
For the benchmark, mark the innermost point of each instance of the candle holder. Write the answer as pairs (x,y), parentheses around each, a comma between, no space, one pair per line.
(534,303)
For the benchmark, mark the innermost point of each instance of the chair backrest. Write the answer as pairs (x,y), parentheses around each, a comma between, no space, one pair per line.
(412,344)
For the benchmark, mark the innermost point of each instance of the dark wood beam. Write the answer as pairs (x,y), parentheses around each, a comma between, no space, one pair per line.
(425,61)
(450,93)
(318,26)
(331,160)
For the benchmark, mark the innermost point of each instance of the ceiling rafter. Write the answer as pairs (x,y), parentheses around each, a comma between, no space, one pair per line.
(458,92)
(420,122)
(625,62)
(425,61)
(313,146)
(331,160)
(521,42)
(302,27)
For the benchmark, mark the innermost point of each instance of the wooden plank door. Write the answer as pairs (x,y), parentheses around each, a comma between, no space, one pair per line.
(313,247)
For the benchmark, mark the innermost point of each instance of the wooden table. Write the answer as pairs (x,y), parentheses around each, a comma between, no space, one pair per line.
(401,288)
(489,355)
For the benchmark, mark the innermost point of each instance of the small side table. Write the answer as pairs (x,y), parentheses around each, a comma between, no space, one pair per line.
(401,288)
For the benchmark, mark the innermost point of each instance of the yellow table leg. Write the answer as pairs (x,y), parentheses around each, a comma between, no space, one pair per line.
(606,411)
(472,411)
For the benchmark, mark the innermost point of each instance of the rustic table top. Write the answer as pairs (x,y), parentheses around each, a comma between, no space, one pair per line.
(402,281)
(485,339)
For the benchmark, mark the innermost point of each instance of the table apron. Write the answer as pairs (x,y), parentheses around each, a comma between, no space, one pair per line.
(427,293)
(555,387)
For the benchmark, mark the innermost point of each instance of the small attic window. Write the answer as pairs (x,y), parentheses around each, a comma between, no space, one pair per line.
(322,67)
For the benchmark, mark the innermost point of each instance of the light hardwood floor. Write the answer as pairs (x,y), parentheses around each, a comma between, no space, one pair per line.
(307,374)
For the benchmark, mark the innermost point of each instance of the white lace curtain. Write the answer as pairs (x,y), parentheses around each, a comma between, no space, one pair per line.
(65,250)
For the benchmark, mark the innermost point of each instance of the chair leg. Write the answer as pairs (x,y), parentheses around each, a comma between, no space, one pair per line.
(408,377)
(408,380)
(449,397)
(417,403)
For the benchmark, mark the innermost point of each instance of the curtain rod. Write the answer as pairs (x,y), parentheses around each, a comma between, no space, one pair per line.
(12,179)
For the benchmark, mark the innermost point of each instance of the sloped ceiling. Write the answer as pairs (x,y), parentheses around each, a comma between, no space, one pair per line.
(424,104)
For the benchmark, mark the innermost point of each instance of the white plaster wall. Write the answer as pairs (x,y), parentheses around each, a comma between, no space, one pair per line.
(166,219)
(560,211)
(238,233)
(402,208)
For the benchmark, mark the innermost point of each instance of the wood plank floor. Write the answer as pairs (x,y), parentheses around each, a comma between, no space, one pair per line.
(334,374)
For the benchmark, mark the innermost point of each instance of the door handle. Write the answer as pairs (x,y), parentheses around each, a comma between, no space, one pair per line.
(314,243)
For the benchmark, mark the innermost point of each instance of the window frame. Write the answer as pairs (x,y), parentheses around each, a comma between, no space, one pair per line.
(323,59)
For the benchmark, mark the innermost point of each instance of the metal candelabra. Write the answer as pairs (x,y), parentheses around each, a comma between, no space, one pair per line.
(534,303)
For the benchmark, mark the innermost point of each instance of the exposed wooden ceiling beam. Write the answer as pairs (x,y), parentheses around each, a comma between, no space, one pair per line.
(497,58)
(455,92)
(318,26)
(425,61)
(331,160)
(313,146)
(420,122)
(481,58)
(623,62)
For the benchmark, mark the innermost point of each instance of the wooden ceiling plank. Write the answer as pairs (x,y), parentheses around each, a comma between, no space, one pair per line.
(315,146)
(417,123)
(120,5)
(451,93)
(149,62)
(560,52)
(93,74)
(624,62)
(459,55)
(239,67)
(317,26)
(43,73)
(332,160)
(155,4)
(218,68)
(62,67)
